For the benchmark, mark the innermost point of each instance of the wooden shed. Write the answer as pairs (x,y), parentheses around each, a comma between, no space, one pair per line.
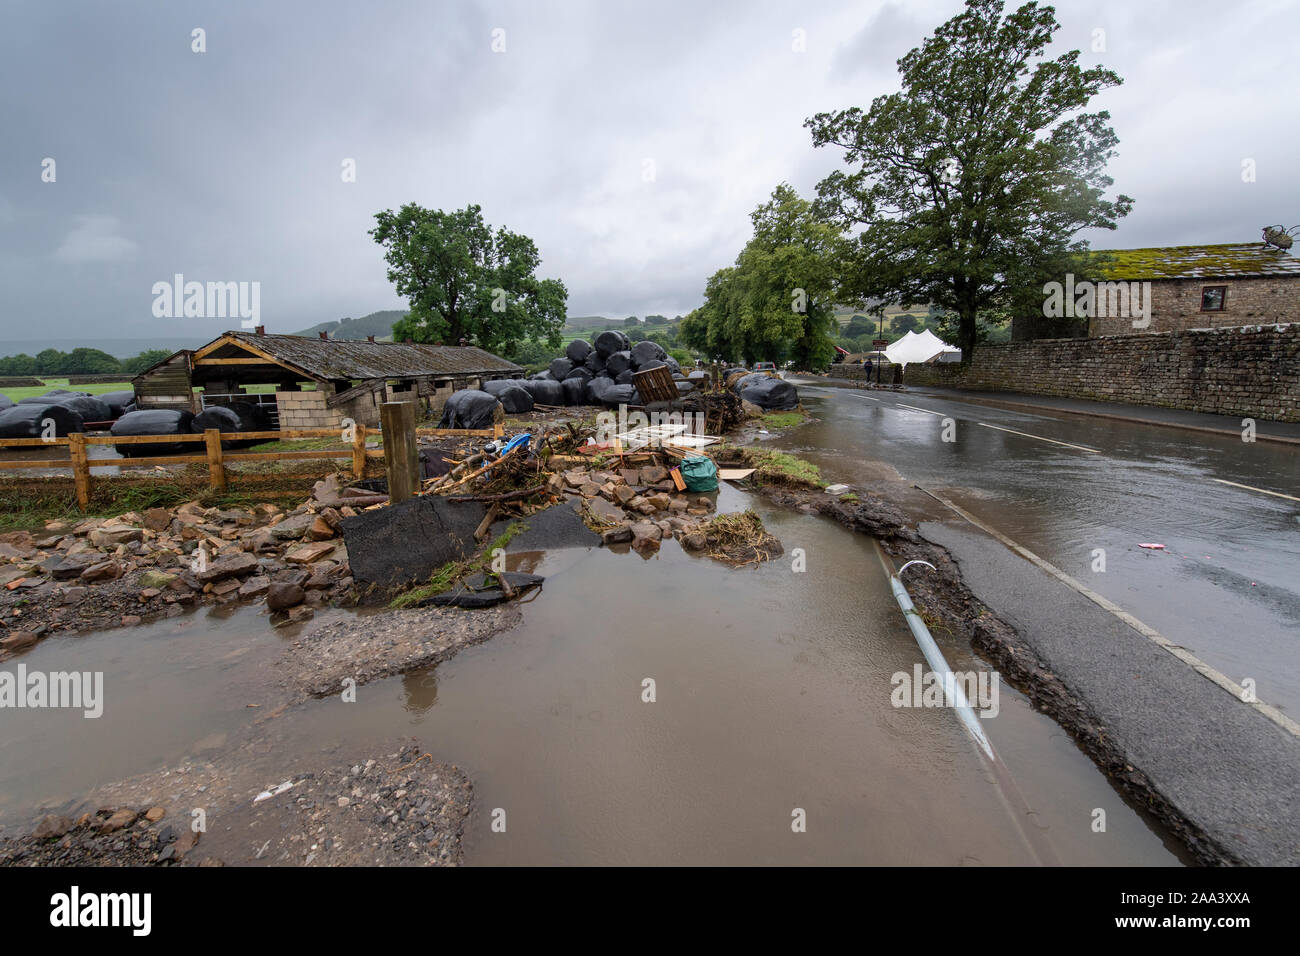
(315,383)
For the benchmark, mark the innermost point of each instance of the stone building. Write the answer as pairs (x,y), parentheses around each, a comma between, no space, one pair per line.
(316,382)
(1168,289)
(1197,287)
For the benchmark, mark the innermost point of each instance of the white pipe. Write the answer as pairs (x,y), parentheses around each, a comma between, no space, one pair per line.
(952,689)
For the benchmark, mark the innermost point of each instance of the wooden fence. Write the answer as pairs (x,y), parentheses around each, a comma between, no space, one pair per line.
(213,454)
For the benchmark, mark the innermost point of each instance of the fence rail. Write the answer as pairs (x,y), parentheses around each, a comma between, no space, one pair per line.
(213,454)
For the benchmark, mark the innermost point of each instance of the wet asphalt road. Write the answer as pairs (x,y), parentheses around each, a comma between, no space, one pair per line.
(1226,585)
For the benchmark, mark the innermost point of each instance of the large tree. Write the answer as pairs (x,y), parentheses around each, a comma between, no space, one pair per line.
(966,188)
(462,280)
(777,301)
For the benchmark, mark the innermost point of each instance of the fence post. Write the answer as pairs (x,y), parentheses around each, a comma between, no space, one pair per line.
(80,470)
(216,469)
(401,453)
(359,452)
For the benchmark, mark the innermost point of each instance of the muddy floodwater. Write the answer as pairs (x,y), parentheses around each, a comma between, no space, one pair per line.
(772,703)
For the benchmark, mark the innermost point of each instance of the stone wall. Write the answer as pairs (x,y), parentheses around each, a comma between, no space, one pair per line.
(1253,372)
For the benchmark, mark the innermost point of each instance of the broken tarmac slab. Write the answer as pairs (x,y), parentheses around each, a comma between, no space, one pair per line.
(405,544)
(557,527)
(478,590)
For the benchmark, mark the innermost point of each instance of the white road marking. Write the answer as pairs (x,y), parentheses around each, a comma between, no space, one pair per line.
(869,398)
(915,409)
(1041,438)
(1150,633)
(1260,490)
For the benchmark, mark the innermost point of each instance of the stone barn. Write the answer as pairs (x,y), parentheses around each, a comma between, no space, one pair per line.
(316,383)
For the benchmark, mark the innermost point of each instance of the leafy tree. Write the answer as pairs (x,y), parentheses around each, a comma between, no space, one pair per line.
(50,362)
(138,363)
(776,302)
(969,183)
(532,355)
(683,356)
(463,280)
(902,324)
(859,325)
(631,322)
(83,361)
(656,320)
(20,364)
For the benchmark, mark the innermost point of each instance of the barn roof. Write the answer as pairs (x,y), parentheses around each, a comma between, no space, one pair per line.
(1239,260)
(331,359)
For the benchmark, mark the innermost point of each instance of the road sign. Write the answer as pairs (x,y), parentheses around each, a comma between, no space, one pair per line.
(879,343)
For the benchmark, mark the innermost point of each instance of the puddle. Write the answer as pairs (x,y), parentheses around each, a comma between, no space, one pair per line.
(772,695)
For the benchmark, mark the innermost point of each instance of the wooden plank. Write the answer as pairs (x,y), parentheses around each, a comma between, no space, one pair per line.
(31,442)
(80,471)
(459,432)
(289,455)
(734,474)
(35,463)
(216,470)
(140,439)
(358,451)
(230,361)
(401,450)
(159,460)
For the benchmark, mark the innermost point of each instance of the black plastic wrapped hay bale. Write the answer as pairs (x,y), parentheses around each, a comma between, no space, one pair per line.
(154,421)
(30,421)
(469,408)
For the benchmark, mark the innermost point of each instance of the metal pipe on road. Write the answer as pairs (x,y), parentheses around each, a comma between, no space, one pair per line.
(934,657)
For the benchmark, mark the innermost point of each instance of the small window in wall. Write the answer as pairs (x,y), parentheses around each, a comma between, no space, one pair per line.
(1214,298)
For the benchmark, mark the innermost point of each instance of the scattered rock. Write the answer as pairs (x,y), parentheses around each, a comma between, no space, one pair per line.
(282,596)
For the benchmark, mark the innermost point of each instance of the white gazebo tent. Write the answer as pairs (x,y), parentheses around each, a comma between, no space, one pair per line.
(918,347)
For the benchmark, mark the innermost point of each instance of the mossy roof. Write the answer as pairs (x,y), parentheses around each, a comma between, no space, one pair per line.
(1227,261)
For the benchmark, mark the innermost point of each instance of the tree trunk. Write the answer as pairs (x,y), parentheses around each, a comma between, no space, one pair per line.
(966,334)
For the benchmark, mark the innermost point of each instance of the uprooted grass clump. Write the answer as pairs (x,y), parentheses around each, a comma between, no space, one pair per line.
(740,539)
(772,467)
(785,419)
(442,579)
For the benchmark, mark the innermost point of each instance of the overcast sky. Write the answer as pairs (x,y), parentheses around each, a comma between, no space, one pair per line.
(226,165)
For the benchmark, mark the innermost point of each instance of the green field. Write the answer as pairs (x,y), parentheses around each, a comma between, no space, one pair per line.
(31,391)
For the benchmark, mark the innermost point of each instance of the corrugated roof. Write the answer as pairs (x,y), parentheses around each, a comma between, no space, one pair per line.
(340,359)
(1241,260)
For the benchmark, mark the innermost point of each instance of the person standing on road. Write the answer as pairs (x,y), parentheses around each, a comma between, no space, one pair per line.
(867,364)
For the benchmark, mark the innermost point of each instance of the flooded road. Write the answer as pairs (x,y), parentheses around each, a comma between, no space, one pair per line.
(1226,585)
(771,696)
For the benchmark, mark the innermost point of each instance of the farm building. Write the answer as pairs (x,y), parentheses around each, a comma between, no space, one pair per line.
(316,382)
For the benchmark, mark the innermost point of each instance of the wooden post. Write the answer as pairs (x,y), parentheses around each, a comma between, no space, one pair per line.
(498,430)
(80,470)
(358,451)
(401,453)
(216,469)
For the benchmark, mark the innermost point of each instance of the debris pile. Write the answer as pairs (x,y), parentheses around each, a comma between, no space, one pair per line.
(142,566)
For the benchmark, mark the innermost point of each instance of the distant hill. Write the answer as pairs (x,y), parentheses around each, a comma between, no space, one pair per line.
(378,324)
(579,322)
